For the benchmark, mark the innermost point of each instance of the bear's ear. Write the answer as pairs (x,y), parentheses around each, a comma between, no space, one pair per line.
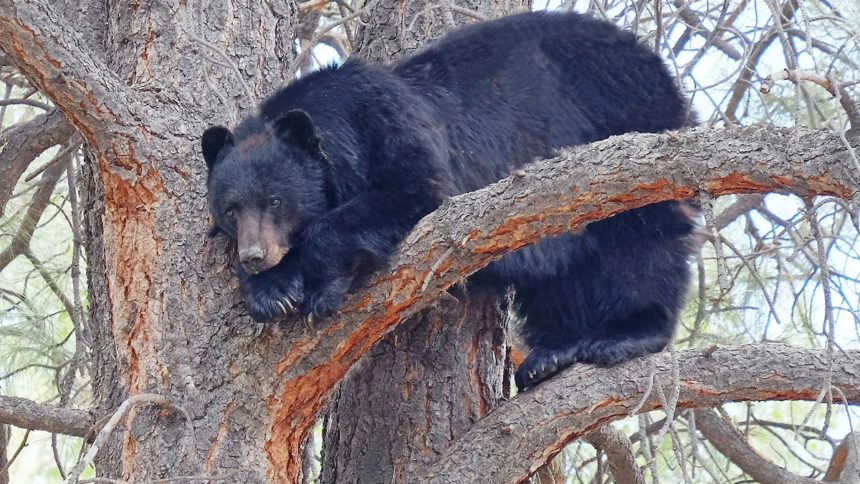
(297,128)
(214,140)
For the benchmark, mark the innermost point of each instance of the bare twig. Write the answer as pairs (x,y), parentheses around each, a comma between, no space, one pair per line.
(23,143)
(70,147)
(26,102)
(15,454)
(830,85)
(21,241)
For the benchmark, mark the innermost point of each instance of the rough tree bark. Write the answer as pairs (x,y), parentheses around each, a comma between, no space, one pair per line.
(420,388)
(4,461)
(164,303)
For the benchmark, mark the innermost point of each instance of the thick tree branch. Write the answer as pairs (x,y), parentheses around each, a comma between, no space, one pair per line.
(27,414)
(582,185)
(48,52)
(513,441)
(733,445)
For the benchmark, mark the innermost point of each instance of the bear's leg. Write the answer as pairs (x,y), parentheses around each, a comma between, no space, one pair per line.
(620,304)
(354,240)
(602,350)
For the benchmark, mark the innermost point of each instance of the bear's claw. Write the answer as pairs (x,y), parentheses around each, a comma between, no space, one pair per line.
(540,364)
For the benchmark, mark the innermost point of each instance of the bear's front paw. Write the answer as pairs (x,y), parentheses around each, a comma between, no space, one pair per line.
(324,300)
(273,294)
(540,364)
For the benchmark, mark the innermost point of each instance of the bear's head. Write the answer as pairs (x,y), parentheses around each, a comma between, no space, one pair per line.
(264,184)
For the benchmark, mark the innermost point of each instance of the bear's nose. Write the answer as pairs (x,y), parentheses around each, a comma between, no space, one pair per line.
(252,256)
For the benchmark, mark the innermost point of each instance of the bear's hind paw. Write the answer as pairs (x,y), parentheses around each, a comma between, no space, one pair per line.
(540,364)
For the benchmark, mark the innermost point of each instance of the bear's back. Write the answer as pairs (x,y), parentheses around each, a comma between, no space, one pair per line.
(512,90)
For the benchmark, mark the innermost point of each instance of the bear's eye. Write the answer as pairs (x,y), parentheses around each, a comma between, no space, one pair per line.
(230,213)
(274,201)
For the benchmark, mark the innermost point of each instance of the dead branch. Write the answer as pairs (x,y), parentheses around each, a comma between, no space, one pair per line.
(105,432)
(514,440)
(831,86)
(27,414)
(742,205)
(744,82)
(21,243)
(23,143)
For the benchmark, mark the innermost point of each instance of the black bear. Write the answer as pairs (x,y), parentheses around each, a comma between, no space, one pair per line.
(337,167)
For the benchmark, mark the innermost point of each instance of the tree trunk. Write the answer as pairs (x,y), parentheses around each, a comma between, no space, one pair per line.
(416,391)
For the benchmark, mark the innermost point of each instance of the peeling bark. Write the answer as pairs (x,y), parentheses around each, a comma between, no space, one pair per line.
(845,463)
(163,300)
(582,185)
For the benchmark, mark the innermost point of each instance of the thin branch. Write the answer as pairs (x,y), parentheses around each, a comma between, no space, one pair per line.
(26,102)
(742,205)
(836,90)
(21,241)
(71,146)
(23,143)
(5,470)
(743,83)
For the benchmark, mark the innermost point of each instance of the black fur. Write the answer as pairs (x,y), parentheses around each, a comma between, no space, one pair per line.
(375,148)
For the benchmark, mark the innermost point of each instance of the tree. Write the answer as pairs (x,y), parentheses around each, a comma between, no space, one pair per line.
(195,389)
